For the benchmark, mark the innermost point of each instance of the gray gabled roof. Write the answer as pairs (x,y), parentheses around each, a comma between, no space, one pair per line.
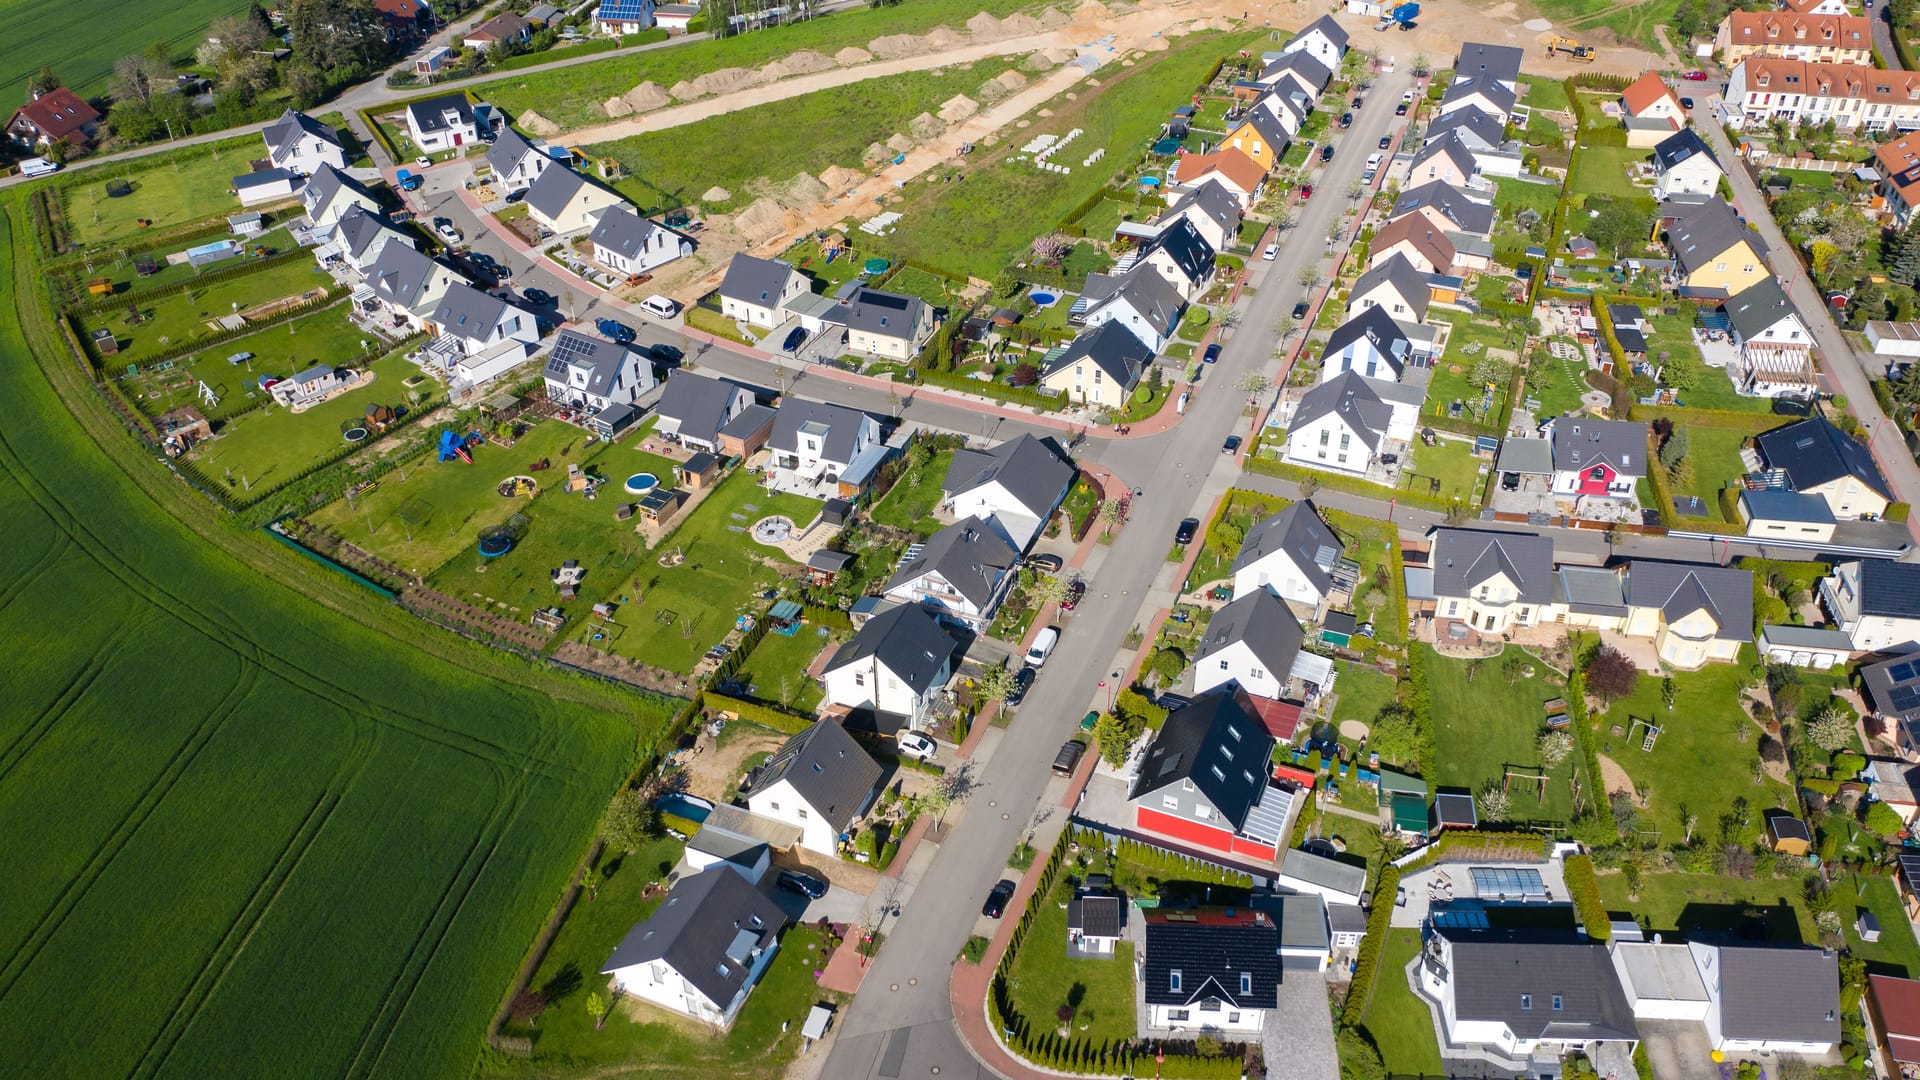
(325,185)
(1514,976)
(1701,233)
(1498,63)
(359,227)
(283,134)
(623,232)
(430,115)
(1753,310)
(842,427)
(1266,123)
(747,421)
(465,311)
(1398,271)
(697,402)
(1890,588)
(1814,452)
(1219,745)
(1372,329)
(1496,94)
(554,189)
(1211,953)
(1260,620)
(884,314)
(1190,252)
(1582,442)
(1298,531)
(400,274)
(1463,558)
(1461,123)
(906,641)
(509,150)
(1333,31)
(968,554)
(1680,589)
(1031,470)
(1353,400)
(753,280)
(1313,71)
(1320,870)
(1780,505)
(1097,914)
(1466,213)
(1113,348)
(828,769)
(1681,146)
(1212,199)
(1451,148)
(603,360)
(708,929)
(1149,294)
(1779,993)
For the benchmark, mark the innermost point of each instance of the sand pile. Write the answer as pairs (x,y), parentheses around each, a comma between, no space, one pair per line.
(1020,25)
(896,46)
(804,62)
(985,27)
(1006,83)
(646,97)
(802,189)
(537,124)
(958,108)
(941,39)
(1219,22)
(899,143)
(716,195)
(723,81)
(617,107)
(1053,17)
(924,126)
(852,55)
(763,218)
(1158,44)
(1179,29)
(876,153)
(838,178)
(1091,11)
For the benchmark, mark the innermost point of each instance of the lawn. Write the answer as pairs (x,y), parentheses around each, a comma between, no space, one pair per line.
(1369,542)
(1637,25)
(1484,725)
(964,229)
(1698,764)
(1454,464)
(170,321)
(776,670)
(1604,158)
(1399,1021)
(1106,216)
(803,134)
(1510,196)
(808,258)
(913,281)
(1362,691)
(911,503)
(171,190)
(571,97)
(271,446)
(763,1039)
(683,610)
(1044,977)
(323,336)
(1220,544)
(1556,384)
(213,767)
(1544,93)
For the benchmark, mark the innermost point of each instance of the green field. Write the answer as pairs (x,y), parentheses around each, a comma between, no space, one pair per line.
(81,43)
(1556,384)
(572,97)
(1630,24)
(270,833)
(171,321)
(1485,725)
(184,187)
(748,150)
(271,446)
(964,228)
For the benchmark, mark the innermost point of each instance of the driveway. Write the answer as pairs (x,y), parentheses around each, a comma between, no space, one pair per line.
(1677,1048)
(1299,1033)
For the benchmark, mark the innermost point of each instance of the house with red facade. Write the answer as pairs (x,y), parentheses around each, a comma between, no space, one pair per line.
(1596,458)
(1204,782)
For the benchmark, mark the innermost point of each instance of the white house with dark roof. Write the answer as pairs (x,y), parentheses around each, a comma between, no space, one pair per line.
(566,202)
(1446,161)
(1769,999)
(516,162)
(442,122)
(897,663)
(1015,485)
(1820,459)
(1491,580)
(1370,345)
(693,409)
(820,780)
(1448,208)
(1394,286)
(1338,425)
(1787,515)
(1695,614)
(627,243)
(616,18)
(1776,350)
(1476,131)
(1181,256)
(357,239)
(879,323)
(410,284)
(1096,919)
(300,144)
(816,442)
(1875,602)
(1142,301)
(1682,165)
(1251,643)
(1491,63)
(593,373)
(1323,39)
(1494,98)
(756,291)
(960,575)
(1596,458)
(703,949)
(1290,554)
(1297,71)
(478,336)
(1525,993)
(330,194)
(1101,366)
(1209,207)
(1212,970)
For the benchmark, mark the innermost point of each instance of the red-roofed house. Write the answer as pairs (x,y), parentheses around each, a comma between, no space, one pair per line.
(1899,161)
(1893,1017)
(404,18)
(1825,39)
(1650,98)
(55,116)
(1815,7)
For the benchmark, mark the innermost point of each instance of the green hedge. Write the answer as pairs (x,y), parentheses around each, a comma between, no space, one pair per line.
(1351,484)
(1366,968)
(996,390)
(754,712)
(1585,890)
(644,37)
(558,52)
(831,618)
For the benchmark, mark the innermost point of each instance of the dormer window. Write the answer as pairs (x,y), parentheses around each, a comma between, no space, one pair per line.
(1526,1002)
(1173,980)
(1246,983)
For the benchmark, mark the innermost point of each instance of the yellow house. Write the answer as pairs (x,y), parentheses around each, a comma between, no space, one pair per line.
(1694,614)
(1714,252)
(1262,137)
(1492,581)
(1820,459)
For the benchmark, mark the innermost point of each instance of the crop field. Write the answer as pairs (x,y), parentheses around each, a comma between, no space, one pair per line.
(804,134)
(182,187)
(572,97)
(963,228)
(81,42)
(266,837)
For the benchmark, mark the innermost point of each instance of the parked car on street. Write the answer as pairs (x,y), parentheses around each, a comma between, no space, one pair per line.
(1188,527)
(1272,252)
(1231,446)
(1022,680)
(1068,757)
(1042,647)
(1046,561)
(997,898)
(444,226)
(537,297)
(1695,76)
(1300,310)
(1346,120)
(1326,152)
(1386,141)
(1400,109)
(423,161)
(614,330)
(1212,354)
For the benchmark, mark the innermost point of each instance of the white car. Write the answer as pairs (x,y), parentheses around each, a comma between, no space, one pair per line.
(447,232)
(917,746)
(423,161)
(1272,252)
(1043,647)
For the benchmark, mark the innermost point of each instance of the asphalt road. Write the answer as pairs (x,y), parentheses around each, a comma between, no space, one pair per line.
(1881,17)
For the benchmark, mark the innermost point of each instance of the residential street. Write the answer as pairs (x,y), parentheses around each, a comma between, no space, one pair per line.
(1883,38)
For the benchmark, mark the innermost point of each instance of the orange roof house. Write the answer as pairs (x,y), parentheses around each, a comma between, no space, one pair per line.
(1239,173)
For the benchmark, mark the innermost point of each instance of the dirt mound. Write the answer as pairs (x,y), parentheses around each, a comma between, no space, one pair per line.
(838,178)
(1007,82)
(804,62)
(899,143)
(1091,11)
(801,190)
(1179,29)
(1019,25)
(617,107)
(1219,22)
(896,46)
(763,218)
(876,153)
(1053,17)
(985,27)
(925,127)
(958,108)
(941,39)
(852,55)
(723,81)
(716,195)
(1039,61)
(646,97)
(537,124)
(1158,44)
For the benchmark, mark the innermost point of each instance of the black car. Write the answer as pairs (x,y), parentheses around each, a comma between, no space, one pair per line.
(516,196)
(1068,757)
(1300,310)
(1346,120)
(1231,446)
(1386,141)
(794,339)
(805,884)
(537,297)
(1022,680)
(996,904)
(1046,561)
(1686,103)
(1400,109)
(1188,527)
(1212,354)
(1326,152)
(1358,100)
(666,354)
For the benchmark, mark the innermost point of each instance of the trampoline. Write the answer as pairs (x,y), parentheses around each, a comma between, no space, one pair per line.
(495,546)
(1044,298)
(354,434)
(876,266)
(641,483)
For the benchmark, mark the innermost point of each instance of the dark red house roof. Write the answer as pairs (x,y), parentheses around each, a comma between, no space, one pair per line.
(57,114)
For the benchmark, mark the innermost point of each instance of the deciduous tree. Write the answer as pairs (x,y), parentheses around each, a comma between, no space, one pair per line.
(1611,675)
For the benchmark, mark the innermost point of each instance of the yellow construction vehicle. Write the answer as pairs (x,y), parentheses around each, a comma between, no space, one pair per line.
(1585,54)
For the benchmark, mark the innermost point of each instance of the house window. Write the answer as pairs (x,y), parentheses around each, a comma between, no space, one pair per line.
(1178,1015)
(1186,785)
(860,680)
(1246,983)
(774,806)
(1453,607)
(1257,673)
(1217,774)
(1526,1002)
(1223,667)
(1173,981)
(1325,437)
(1203,812)
(1233,1018)
(721,967)
(1556,1003)
(1210,1005)
(1171,802)
(802,811)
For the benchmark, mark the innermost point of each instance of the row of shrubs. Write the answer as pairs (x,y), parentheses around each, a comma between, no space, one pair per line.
(199,281)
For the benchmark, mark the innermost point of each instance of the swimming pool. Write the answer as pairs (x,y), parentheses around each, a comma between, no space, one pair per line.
(692,807)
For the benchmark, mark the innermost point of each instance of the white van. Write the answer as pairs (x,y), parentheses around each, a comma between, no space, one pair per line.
(660,307)
(38,166)
(1043,647)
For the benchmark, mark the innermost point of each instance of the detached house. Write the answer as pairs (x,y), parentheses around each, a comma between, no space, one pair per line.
(300,144)
(617,18)
(1491,581)
(1209,207)
(56,115)
(1181,256)
(694,409)
(1480,62)
(1250,643)
(1297,72)
(478,336)
(627,243)
(1016,486)
(1203,782)
(1899,165)
(757,291)
(1419,242)
(960,575)
(1715,255)
(330,194)
(1649,98)
(1141,301)
(894,665)
(1238,173)
(1525,993)
(443,122)
(566,202)
(1371,345)
(1394,286)
(1101,366)
(1323,39)
(1776,351)
(893,325)
(1683,165)
(1446,160)
(594,373)
(357,239)
(1820,459)
(1496,99)
(1874,602)
(1211,970)
(504,28)
(517,162)
(1477,132)
(1448,208)
(409,284)
(1694,613)
(1338,425)
(1596,458)
(1262,135)
(818,442)
(820,780)
(1292,554)
(703,949)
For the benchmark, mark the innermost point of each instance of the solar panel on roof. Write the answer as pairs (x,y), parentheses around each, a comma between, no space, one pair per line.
(1900,672)
(572,347)
(1905,699)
